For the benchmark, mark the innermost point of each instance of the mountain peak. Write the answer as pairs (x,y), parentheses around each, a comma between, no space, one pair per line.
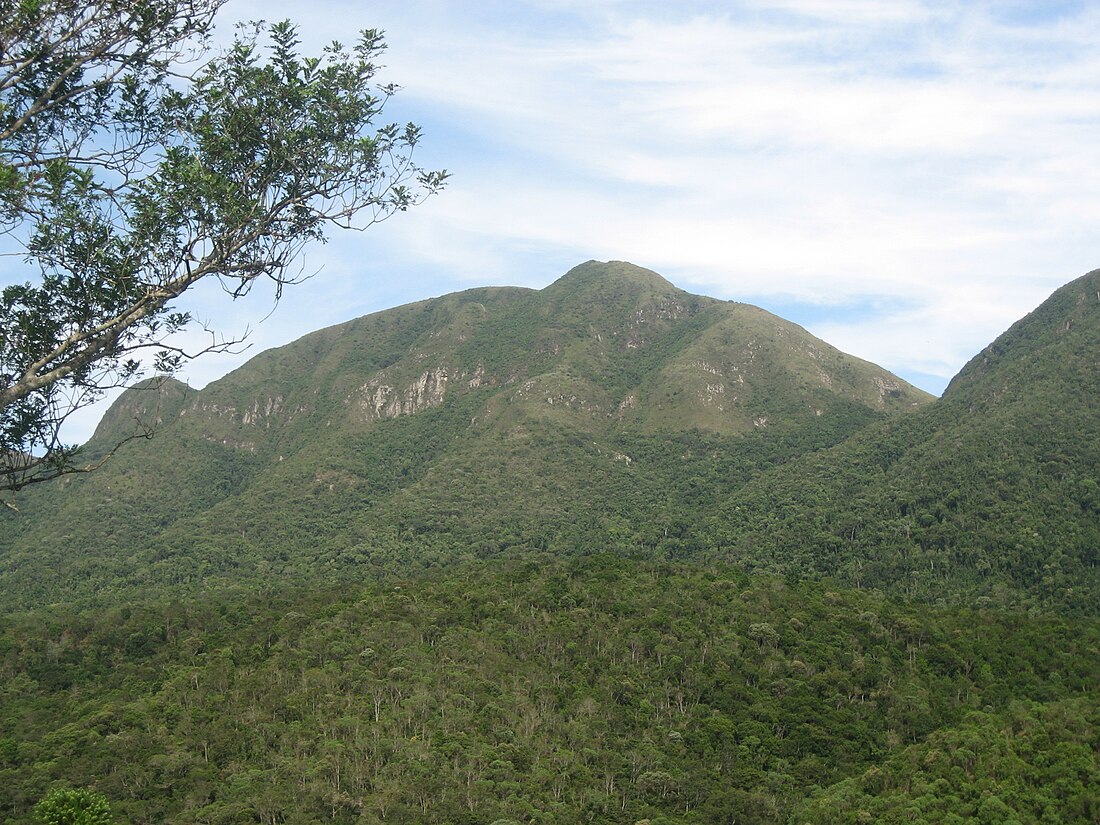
(1043,345)
(613,273)
(144,406)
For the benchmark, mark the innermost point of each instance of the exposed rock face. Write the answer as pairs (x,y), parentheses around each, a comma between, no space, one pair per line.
(211,408)
(478,378)
(641,327)
(382,401)
(887,388)
(262,411)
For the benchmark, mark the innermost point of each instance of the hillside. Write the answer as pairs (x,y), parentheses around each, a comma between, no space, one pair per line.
(989,493)
(545,691)
(603,411)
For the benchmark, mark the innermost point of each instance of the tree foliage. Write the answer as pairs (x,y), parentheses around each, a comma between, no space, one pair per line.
(73,806)
(124,182)
(542,690)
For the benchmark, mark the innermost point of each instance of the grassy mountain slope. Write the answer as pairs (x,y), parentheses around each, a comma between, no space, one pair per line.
(604,410)
(992,491)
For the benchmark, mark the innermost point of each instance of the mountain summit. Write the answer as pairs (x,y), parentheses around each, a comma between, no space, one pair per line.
(613,278)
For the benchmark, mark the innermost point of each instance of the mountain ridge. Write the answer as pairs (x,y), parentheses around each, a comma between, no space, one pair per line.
(608,411)
(455,318)
(592,401)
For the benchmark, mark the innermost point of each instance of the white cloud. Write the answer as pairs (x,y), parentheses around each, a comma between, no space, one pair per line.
(854,12)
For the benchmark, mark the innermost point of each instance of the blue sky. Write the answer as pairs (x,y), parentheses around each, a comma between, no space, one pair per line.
(903,178)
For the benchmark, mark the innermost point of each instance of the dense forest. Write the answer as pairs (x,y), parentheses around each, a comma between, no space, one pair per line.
(606,552)
(598,689)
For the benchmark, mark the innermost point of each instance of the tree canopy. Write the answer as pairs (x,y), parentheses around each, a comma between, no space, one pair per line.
(546,690)
(73,806)
(136,160)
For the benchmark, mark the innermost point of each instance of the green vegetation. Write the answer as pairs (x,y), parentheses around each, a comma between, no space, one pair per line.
(990,493)
(597,689)
(69,806)
(604,553)
(1032,763)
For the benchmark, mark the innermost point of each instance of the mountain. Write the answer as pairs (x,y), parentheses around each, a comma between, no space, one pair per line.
(608,411)
(990,493)
(605,552)
(604,411)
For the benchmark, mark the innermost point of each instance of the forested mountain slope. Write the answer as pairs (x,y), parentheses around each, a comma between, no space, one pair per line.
(603,411)
(991,492)
(544,691)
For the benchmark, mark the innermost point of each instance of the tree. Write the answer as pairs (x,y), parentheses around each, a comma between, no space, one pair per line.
(135,162)
(73,806)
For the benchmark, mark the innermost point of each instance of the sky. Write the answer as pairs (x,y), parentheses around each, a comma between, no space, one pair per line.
(904,178)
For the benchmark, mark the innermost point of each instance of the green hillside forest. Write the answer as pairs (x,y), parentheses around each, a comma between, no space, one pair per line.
(606,552)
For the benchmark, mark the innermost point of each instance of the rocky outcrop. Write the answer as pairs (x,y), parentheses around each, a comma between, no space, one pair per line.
(381,400)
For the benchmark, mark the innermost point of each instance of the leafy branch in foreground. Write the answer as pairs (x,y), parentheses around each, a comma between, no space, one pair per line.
(123,184)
